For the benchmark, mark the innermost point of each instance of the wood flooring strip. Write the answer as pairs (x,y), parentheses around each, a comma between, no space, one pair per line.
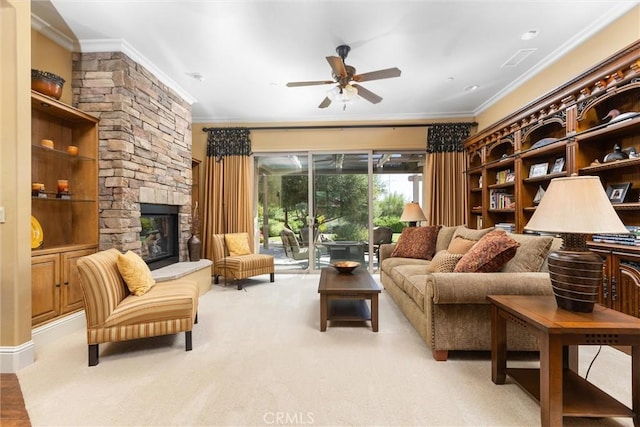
(12,410)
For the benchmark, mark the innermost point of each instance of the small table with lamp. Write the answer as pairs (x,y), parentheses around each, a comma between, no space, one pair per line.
(557,385)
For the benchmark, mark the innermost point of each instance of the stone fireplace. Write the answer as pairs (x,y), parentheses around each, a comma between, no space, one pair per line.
(145,146)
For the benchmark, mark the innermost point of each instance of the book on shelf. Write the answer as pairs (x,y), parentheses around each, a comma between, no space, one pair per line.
(504,176)
(509,227)
(630,239)
(500,199)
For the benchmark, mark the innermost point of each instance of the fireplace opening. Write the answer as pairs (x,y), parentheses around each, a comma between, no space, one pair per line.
(159,234)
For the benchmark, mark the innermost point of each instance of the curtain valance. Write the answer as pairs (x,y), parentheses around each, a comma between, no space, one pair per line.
(223,142)
(447,137)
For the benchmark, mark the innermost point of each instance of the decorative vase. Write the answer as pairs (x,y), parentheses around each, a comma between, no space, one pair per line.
(194,245)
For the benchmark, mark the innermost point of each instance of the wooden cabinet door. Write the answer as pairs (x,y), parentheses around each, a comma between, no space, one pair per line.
(71,295)
(45,288)
(627,284)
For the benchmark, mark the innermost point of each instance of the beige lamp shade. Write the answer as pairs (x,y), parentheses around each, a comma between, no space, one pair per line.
(412,213)
(575,204)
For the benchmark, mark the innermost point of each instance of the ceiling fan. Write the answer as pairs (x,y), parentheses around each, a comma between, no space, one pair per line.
(344,75)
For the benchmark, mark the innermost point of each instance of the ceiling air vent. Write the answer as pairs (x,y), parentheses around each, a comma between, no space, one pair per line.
(518,57)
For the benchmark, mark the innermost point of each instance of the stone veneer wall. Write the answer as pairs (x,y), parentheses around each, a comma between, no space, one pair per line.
(145,144)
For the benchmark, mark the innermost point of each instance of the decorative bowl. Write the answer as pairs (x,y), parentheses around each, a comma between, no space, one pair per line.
(47,83)
(345,266)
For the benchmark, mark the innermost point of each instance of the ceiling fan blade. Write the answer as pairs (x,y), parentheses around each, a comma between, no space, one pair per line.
(337,65)
(368,95)
(312,83)
(377,75)
(325,103)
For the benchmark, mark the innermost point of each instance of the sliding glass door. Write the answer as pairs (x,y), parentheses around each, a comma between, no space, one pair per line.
(283,208)
(341,194)
(315,208)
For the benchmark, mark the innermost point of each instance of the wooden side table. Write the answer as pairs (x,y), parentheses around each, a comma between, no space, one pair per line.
(557,385)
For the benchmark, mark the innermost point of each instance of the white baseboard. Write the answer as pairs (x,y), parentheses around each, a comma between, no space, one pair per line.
(58,328)
(12,359)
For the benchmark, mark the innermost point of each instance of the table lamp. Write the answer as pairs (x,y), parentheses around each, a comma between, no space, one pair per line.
(412,213)
(574,207)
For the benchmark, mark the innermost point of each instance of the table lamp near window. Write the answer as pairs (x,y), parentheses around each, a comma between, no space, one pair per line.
(574,207)
(412,213)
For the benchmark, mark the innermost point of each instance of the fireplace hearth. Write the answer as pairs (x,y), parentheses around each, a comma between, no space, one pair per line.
(159,234)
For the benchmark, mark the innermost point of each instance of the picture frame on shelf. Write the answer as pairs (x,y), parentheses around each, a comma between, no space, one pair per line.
(558,166)
(539,169)
(510,177)
(617,192)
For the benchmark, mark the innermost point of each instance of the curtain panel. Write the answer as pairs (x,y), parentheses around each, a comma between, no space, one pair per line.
(445,183)
(228,191)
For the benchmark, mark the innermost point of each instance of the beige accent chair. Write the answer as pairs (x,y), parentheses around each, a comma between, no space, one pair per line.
(114,314)
(292,247)
(239,267)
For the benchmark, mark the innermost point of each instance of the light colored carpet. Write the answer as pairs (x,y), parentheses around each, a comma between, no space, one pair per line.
(260,359)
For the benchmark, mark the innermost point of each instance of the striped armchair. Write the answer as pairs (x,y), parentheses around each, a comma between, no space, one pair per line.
(238,267)
(113,314)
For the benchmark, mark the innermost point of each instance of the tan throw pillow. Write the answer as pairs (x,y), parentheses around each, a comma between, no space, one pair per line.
(530,255)
(417,242)
(443,262)
(470,233)
(489,254)
(237,244)
(135,273)
(460,245)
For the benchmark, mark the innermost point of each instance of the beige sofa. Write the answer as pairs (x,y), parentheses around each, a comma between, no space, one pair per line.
(450,310)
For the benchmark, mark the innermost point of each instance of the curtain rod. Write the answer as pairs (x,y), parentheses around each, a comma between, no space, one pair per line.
(403,125)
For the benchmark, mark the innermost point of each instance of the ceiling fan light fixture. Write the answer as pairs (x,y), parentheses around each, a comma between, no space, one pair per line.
(333,93)
(349,94)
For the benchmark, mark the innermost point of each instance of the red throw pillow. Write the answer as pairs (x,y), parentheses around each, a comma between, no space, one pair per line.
(417,242)
(491,252)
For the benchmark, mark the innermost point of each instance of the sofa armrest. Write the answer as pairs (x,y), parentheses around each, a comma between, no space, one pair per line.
(386,249)
(473,288)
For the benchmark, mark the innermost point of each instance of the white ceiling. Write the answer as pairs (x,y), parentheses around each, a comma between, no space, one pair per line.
(248,50)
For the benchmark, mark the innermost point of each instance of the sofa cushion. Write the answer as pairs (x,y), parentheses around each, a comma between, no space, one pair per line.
(444,262)
(460,245)
(411,279)
(388,264)
(444,237)
(470,233)
(415,286)
(489,254)
(531,253)
(237,244)
(135,272)
(417,242)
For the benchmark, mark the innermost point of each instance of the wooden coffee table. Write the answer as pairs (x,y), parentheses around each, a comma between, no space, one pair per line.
(557,385)
(343,297)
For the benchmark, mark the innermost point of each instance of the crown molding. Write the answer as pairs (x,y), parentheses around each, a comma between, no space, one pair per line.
(51,33)
(366,118)
(121,45)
